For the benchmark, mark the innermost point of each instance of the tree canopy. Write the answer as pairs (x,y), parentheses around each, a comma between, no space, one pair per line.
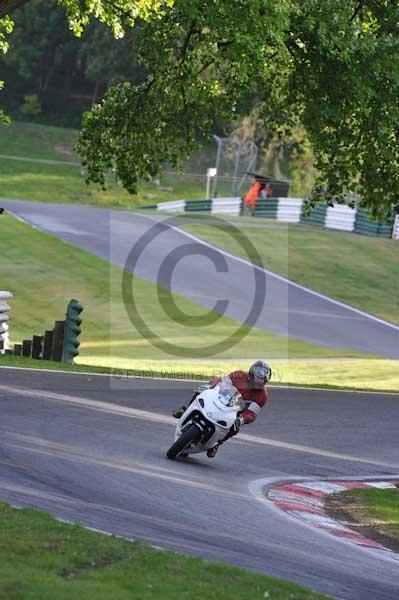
(64,73)
(331,66)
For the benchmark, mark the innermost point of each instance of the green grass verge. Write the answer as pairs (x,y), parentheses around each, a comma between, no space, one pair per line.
(358,270)
(43,559)
(38,141)
(63,183)
(342,374)
(381,506)
(350,374)
(43,273)
(374,512)
(22,362)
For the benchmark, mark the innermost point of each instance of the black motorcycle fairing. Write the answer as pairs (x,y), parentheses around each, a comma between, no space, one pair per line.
(207,428)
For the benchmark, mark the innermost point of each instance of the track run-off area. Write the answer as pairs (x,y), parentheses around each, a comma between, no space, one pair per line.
(91,450)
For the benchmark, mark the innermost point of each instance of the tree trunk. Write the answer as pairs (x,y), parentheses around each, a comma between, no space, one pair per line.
(49,74)
(67,83)
(96,90)
(7,6)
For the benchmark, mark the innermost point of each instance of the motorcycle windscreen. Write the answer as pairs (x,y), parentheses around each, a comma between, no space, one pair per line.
(228,394)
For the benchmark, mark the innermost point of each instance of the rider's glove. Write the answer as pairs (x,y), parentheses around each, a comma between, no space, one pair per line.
(238,423)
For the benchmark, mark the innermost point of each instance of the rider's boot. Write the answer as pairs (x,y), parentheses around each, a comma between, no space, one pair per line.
(211,452)
(178,412)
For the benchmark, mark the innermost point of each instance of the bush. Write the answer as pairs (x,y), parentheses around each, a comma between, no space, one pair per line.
(31,106)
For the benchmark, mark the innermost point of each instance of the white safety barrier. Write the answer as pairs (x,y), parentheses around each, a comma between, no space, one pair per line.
(226,206)
(395,230)
(289,209)
(341,217)
(4,317)
(173,206)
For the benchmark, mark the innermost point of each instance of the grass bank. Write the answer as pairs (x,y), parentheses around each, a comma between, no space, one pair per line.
(372,512)
(62,179)
(342,374)
(42,558)
(358,270)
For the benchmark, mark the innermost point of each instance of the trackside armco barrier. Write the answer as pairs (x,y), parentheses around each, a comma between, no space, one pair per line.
(174,206)
(395,231)
(225,206)
(4,317)
(291,210)
(340,217)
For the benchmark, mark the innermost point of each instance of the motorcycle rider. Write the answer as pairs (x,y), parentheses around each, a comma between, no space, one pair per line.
(251,385)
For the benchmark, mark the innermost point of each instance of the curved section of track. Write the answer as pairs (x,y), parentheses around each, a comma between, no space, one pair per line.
(92,452)
(288,309)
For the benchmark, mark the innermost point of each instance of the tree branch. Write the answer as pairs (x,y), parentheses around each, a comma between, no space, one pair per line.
(7,6)
(224,43)
(356,11)
(186,42)
(121,11)
(186,112)
(204,67)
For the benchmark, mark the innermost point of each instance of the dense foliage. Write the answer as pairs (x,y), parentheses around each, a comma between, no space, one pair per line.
(6,26)
(54,76)
(329,65)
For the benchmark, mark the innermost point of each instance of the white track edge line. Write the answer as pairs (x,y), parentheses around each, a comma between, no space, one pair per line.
(276,276)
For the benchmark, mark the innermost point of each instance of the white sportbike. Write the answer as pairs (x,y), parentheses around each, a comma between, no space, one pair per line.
(207,420)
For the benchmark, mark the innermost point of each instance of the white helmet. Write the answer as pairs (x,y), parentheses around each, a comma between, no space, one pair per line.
(259,374)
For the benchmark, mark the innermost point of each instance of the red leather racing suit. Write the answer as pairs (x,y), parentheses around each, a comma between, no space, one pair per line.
(254,399)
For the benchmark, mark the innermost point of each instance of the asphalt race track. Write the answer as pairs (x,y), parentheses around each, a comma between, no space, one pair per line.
(286,308)
(93,451)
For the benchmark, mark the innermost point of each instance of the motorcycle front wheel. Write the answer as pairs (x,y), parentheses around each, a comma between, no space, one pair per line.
(191,436)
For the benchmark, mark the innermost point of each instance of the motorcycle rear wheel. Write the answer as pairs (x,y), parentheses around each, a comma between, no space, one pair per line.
(192,435)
